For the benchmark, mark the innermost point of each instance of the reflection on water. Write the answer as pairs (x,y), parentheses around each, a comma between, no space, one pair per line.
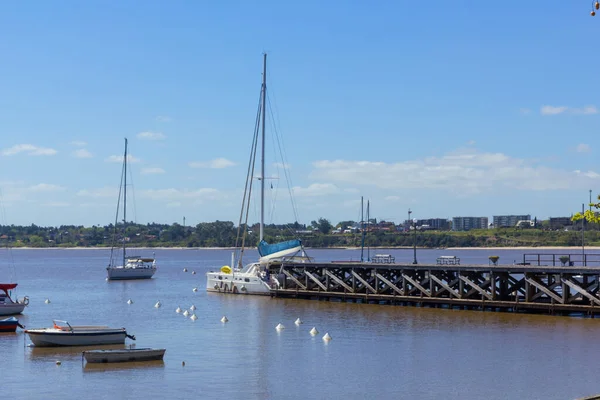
(102,367)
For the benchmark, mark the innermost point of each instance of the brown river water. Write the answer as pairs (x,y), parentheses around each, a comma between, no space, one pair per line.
(377,351)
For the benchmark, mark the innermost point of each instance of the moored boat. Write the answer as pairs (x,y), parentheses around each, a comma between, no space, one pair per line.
(131,267)
(7,305)
(64,334)
(123,355)
(9,324)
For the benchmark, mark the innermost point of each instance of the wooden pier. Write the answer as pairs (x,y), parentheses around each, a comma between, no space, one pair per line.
(548,289)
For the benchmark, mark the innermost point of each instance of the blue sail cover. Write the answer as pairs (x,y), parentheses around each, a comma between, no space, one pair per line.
(264,248)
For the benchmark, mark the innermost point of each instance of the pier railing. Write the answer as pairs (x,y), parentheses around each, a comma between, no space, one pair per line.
(562,259)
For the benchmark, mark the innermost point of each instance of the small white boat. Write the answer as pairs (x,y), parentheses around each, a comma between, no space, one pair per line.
(135,268)
(123,355)
(64,334)
(7,305)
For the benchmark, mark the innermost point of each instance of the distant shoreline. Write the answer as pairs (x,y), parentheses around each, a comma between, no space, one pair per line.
(514,248)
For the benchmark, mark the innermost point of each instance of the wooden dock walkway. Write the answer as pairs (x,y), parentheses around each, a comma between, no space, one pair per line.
(548,289)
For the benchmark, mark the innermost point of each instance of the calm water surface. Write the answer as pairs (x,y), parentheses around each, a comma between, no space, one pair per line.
(377,352)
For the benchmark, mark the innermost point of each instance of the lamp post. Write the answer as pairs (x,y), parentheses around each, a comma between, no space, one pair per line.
(408,220)
(415,241)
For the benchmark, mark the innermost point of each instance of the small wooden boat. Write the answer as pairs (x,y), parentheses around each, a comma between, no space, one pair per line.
(123,355)
(9,324)
(63,334)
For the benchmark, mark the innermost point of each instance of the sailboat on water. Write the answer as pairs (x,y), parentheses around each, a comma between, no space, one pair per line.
(132,267)
(254,278)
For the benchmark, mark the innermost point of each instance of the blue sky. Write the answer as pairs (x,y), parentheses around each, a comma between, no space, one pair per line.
(464,108)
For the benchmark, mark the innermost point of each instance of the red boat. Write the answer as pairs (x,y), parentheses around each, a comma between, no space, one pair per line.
(9,324)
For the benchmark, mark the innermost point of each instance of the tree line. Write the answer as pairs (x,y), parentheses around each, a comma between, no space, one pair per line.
(317,234)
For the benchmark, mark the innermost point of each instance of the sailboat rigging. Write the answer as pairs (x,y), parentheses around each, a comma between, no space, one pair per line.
(132,267)
(254,277)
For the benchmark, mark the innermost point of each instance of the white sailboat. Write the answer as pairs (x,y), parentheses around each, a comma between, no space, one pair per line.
(254,278)
(132,267)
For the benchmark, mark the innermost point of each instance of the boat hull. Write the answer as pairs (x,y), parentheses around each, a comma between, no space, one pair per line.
(236,284)
(54,338)
(125,355)
(9,324)
(120,273)
(11,308)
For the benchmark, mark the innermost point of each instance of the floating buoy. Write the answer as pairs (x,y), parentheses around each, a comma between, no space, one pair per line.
(157,305)
(597,5)
(279,327)
(224,319)
(593,13)
(58,362)
(129,301)
(193,272)
(183,363)
(193,307)
(186,313)
(326,337)
(195,289)
(47,301)
(298,321)
(185,270)
(193,317)
(178,310)
(313,331)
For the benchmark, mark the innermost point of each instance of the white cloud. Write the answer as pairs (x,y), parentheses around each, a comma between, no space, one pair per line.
(99,192)
(151,136)
(173,195)
(29,149)
(163,118)
(463,173)
(152,170)
(315,189)
(282,166)
(82,153)
(217,163)
(583,148)
(119,159)
(587,110)
(78,143)
(45,187)
(555,110)
(525,111)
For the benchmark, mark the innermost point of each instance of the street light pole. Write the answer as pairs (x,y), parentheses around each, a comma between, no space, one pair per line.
(415,241)
(408,220)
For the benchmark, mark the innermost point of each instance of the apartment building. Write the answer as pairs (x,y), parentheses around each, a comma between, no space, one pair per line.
(468,223)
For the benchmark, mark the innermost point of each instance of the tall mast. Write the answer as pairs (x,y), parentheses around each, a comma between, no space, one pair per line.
(262,154)
(124,199)
(362,226)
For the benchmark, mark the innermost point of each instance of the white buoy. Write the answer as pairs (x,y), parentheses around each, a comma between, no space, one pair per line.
(195,289)
(193,317)
(186,313)
(185,270)
(193,307)
(157,305)
(129,301)
(178,310)
(298,321)
(224,319)
(326,337)
(193,272)
(279,327)
(313,331)
(47,301)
